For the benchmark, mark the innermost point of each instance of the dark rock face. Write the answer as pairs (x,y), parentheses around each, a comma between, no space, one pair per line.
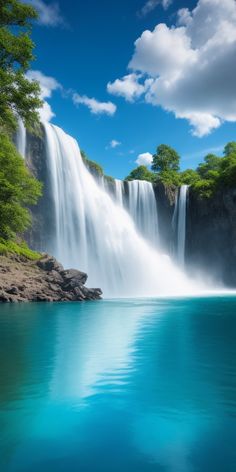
(43,222)
(44,280)
(165,198)
(211,235)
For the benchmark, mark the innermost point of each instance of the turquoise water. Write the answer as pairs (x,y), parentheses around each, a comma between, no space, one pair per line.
(112,386)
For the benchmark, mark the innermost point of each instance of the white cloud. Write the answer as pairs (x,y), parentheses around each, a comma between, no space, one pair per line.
(94,105)
(128,87)
(150,5)
(49,14)
(114,143)
(144,159)
(163,52)
(192,65)
(47,85)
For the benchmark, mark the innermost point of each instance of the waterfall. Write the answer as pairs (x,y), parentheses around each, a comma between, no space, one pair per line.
(141,204)
(179,222)
(97,235)
(119,191)
(143,209)
(21,138)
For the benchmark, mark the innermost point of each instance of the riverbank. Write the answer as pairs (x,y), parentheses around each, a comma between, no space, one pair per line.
(41,280)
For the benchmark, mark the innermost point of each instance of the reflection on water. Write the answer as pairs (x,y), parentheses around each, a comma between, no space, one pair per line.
(128,385)
(96,351)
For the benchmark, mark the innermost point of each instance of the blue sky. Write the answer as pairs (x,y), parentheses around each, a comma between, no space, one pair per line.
(81,47)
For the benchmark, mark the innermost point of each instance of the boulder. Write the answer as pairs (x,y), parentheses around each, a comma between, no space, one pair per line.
(49,263)
(73,276)
(13,291)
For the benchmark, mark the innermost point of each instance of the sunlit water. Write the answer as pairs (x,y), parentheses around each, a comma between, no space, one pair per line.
(112,386)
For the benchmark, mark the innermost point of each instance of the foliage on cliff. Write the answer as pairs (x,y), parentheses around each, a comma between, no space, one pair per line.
(95,168)
(18,95)
(18,188)
(212,174)
(141,173)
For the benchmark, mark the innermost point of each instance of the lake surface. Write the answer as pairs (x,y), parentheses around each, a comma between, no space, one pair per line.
(116,386)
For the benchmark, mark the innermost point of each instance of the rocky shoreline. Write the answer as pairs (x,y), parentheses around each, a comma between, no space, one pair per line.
(44,280)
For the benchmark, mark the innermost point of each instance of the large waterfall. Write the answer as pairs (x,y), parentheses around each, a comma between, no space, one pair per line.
(98,235)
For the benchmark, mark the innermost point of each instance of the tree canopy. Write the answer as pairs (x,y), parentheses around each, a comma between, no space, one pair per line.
(211,163)
(212,174)
(230,148)
(18,95)
(165,159)
(141,173)
(18,188)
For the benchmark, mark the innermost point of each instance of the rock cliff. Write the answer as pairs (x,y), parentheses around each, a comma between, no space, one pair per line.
(211,235)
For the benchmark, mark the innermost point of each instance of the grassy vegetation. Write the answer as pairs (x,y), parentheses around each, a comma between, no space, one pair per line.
(20,248)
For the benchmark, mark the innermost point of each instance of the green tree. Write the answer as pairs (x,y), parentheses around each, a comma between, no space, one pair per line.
(169,178)
(230,148)
(165,159)
(189,177)
(211,163)
(228,169)
(17,190)
(141,173)
(18,95)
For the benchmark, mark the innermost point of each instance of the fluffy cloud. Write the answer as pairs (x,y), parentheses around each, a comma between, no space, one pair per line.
(192,65)
(49,14)
(150,5)
(144,159)
(47,85)
(129,87)
(94,105)
(164,52)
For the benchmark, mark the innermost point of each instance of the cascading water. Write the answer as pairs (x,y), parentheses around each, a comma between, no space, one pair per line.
(140,202)
(96,235)
(143,209)
(179,222)
(21,138)
(119,191)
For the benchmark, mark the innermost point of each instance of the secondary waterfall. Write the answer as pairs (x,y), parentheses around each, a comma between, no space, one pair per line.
(21,138)
(143,209)
(179,222)
(119,191)
(97,235)
(140,202)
